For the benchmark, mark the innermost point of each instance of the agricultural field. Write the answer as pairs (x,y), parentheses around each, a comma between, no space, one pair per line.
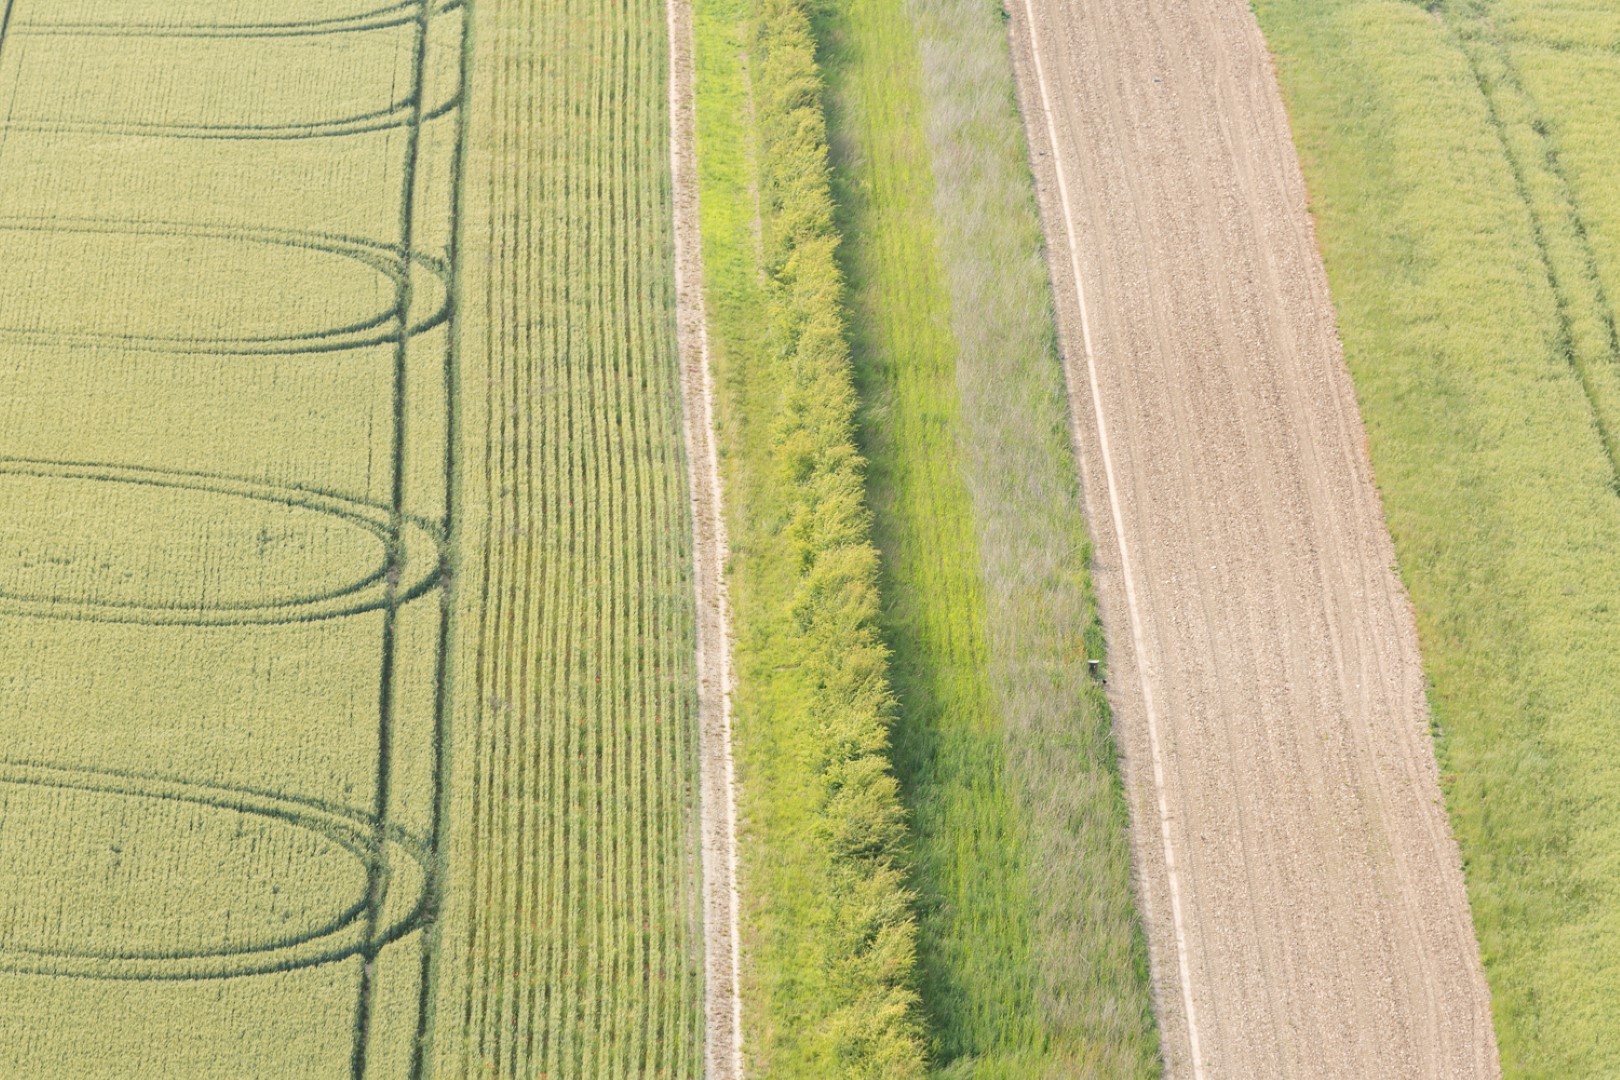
(226,439)
(805,539)
(347,708)
(1462,166)
(573,944)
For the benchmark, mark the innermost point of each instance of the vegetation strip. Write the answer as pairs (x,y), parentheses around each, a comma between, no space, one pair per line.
(827,932)
(1461,167)
(723,1050)
(574,943)
(1032,956)
(1094,1006)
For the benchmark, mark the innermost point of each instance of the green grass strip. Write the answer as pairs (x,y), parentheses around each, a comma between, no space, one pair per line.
(969,866)
(1032,957)
(1454,249)
(828,933)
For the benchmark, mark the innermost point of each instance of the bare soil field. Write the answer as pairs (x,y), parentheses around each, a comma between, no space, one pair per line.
(1301,888)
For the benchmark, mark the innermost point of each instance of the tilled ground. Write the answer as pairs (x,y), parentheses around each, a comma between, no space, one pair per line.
(1303,896)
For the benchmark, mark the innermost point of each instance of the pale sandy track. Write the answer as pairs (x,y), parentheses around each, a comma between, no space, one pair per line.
(722,1001)
(1303,896)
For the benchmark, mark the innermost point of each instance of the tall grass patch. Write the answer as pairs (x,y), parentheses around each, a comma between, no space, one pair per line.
(1032,956)
(828,933)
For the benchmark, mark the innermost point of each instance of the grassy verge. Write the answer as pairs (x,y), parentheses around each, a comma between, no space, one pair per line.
(1465,213)
(1031,957)
(828,933)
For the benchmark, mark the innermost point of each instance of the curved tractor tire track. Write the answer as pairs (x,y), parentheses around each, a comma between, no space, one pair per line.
(1303,894)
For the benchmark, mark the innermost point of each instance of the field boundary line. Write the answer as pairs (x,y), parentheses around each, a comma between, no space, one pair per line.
(443,709)
(722,943)
(377,886)
(1133,611)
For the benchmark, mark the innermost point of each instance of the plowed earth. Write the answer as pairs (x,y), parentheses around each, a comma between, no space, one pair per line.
(1303,896)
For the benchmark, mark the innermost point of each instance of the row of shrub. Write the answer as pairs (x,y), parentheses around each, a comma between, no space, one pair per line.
(865,1009)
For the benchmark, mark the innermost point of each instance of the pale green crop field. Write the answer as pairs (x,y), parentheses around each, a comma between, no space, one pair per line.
(1462,160)
(346,705)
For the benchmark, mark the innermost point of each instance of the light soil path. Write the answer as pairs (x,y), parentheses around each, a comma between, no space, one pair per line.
(723,1003)
(1305,906)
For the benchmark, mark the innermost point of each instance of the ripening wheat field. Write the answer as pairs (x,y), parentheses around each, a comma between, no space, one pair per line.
(346,713)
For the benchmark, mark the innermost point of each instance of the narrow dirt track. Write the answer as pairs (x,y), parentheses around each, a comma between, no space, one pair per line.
(1303,896)
(718,826)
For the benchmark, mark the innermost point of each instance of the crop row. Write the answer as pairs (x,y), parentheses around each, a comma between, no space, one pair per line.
(576,950)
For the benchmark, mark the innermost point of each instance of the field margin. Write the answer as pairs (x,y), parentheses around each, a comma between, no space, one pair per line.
(723,1046)
(828,935)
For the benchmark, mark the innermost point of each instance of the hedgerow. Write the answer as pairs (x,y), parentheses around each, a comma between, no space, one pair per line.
(869,946)
(828,929)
